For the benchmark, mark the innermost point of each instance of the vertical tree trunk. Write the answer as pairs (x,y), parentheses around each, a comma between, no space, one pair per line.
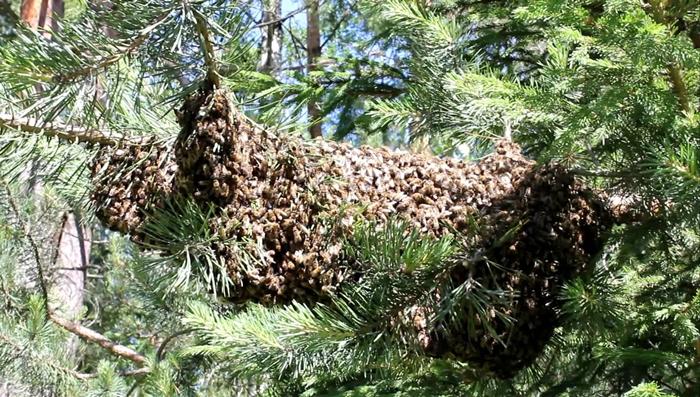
(42,14)
(271,37)
(72,243)
(30,11)
(313,48)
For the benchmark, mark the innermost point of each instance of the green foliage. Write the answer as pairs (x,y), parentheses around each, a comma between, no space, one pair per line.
(181,232)
(28,355)
(108,382)
(607,88)
(647,390)
(360,333)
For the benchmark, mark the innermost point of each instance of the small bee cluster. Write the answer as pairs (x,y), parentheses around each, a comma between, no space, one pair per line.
(129,181)
(295,201)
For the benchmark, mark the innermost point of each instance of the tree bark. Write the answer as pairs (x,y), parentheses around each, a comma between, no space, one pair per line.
(271,37)
(313,48)
(42,14)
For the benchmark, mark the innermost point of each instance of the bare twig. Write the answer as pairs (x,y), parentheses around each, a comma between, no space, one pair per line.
(282,19)
(600,174)
(35,248)
(89,335)
(161,349)
(133,372)
(337,26)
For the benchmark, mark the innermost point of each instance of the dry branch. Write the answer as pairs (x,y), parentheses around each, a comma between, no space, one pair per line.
(91,336)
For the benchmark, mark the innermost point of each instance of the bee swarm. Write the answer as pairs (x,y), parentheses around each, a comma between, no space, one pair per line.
(295,200)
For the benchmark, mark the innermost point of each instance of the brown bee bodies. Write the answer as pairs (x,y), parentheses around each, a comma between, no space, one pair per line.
(297,199)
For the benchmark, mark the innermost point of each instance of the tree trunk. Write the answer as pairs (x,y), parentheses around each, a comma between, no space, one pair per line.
(42,14)
(271,38)
(313,48)
(72,242)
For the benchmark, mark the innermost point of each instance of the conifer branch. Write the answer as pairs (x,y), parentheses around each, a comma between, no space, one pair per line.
(105,62)
(21,350)
(67,132)
(77,329)
(207,48)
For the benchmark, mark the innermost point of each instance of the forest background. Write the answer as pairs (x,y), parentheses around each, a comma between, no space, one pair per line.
(607,89)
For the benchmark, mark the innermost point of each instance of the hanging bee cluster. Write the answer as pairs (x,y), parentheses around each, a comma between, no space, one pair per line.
(552,227)
(129,181)
(295,201)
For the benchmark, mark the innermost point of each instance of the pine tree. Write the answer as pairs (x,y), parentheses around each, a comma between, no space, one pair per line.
(512,294)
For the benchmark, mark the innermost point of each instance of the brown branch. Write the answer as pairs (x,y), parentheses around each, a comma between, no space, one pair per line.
(658,12)
(313,46)
(20,350)
(68,132)
(282,19)
(678,86)
(161,349)
(85,333)
(91,336)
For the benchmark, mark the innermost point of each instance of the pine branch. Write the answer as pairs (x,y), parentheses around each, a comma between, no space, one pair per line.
(105,62)
(21,350)
(72,327)
(67,132)
(91,336)
(207,48)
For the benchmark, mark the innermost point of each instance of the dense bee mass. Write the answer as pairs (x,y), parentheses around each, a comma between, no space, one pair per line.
(293,201)
(554,226)
(128,182)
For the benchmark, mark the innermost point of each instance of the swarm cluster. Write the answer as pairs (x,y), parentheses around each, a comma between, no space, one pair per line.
(128,182)
(293,201)
(554,226)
